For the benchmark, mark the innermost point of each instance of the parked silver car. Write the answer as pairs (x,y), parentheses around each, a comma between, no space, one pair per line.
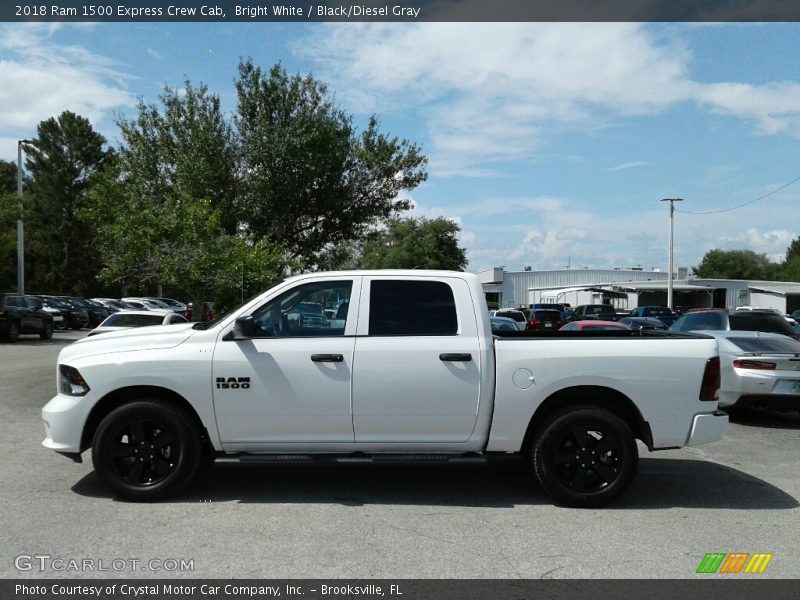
(760,370)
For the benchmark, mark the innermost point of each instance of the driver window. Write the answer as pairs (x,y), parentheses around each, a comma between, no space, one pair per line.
(311,310)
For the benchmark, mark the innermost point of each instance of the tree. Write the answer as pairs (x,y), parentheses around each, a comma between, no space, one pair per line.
(8,177)
(410,243)
(790,268)
(309,180)
(62,160)
(735,264)
(166,210)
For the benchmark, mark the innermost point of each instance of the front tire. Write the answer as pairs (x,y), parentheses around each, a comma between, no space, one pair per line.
(146,450)
(585,457)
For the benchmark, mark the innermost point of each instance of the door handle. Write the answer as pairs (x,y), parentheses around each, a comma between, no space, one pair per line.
(457,357)
(327,358)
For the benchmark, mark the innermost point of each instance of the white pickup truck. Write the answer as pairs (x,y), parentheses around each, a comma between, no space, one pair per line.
(378,365)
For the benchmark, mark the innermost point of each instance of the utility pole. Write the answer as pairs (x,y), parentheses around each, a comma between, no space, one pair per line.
(672,202)
(20,225)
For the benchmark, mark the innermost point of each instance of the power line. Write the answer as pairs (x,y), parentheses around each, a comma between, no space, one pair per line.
(767,195)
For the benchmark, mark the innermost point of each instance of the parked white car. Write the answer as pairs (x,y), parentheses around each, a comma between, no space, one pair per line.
(758,369)
(147,303)
(125,319)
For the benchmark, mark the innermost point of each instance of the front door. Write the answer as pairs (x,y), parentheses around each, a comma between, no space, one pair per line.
(291,383)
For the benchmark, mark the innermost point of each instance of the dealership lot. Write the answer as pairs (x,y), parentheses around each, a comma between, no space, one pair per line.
(492,521)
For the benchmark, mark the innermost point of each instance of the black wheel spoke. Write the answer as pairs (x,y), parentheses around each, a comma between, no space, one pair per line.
(163,439)
(579,479)
(120,451)
(565,457)
(135,474)
(137,431)
(581,437)
(162,465)
(605,472)
(605,444)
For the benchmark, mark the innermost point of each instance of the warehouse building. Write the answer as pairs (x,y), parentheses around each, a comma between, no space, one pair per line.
(628,288)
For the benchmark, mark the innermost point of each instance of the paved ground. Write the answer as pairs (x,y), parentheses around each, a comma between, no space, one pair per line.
(737,495)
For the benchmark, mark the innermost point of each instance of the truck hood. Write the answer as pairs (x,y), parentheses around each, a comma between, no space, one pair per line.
(155,337)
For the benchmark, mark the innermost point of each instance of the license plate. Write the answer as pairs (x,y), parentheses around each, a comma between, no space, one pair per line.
(548,324)
(794,387)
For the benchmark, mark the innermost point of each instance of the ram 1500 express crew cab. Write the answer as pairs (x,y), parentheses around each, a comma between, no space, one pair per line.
(378,364)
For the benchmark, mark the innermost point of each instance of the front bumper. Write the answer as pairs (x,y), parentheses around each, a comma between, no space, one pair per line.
(708,427)
(64,417)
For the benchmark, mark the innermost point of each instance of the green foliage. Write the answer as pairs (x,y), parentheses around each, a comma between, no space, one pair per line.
(8,241)
(166,210)
(8,177)
(793,251)
(63,159)
(310,180)
(414,243)
(735,264)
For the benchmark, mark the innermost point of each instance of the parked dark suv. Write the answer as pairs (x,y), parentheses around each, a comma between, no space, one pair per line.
(74,317)
(22,314)
(737,320)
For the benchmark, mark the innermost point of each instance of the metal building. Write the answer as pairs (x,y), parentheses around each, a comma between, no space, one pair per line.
(521,288)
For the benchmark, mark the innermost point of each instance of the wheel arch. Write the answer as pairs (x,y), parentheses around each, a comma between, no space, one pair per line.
(124,395)
(590,396)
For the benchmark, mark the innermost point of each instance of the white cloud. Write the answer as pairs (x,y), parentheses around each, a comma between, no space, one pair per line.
(40,79)
(492,92)
(629,165)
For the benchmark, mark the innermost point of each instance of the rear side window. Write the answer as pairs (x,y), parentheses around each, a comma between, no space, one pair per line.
(547,315)
(516,315)
(764,345)
(760,322)
(412,308)
(699,321)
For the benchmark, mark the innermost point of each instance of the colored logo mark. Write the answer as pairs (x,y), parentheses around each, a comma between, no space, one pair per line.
(736,562)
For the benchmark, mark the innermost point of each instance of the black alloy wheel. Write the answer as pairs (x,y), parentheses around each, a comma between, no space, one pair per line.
(146,450)
(585,457)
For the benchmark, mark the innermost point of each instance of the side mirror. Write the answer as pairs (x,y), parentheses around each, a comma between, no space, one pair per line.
(244,328)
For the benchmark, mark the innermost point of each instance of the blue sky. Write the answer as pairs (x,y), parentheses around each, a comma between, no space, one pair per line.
(550,143)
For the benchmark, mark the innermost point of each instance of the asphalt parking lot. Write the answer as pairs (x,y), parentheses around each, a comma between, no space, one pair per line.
(737,495)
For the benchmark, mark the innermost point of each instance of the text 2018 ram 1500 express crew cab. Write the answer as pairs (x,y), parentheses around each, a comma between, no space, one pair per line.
(395,364)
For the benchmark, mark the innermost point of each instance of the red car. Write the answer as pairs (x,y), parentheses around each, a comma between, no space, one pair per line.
(594,326)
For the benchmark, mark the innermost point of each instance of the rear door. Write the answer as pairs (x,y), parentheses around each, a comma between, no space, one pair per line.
(417,365)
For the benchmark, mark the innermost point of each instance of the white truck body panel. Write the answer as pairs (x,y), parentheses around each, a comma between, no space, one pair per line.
(388,393)
(662,375)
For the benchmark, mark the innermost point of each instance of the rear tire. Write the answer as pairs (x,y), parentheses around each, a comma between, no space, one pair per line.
(47,331)
(12,334)
(146,450)
(585,457)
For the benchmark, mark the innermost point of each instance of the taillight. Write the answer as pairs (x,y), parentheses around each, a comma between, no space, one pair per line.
(711,380)
(761,365)
(535,321)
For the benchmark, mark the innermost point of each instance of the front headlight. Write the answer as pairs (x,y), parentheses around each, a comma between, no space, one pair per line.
(71,382)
